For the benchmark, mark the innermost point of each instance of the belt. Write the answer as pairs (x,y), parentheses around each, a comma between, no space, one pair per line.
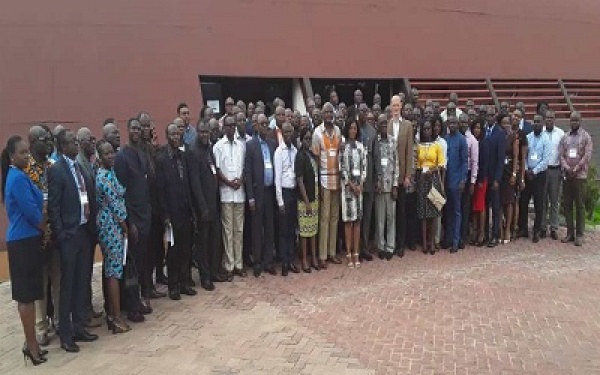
(554,167)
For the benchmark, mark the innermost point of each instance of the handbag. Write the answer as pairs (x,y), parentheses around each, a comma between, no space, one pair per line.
(435,197)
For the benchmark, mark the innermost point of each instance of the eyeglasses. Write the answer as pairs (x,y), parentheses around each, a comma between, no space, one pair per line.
(185,112)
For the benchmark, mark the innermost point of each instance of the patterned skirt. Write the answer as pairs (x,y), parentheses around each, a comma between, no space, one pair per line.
(308,224)
(426,209)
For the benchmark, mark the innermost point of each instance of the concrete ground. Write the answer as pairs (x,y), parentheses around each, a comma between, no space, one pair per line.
(517,309)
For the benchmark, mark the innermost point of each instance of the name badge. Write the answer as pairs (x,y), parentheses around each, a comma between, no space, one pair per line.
(213,169)
(268,164)
(573,152)
(333,153)
(534,156)
(356,172)
(83,197)
(45,196)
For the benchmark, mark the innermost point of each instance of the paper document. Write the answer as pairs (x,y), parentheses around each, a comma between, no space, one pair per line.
(169,239)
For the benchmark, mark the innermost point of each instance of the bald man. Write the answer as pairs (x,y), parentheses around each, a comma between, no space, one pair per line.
(55,155)
(111,134)
(353,111)
(402,132)
(40,147)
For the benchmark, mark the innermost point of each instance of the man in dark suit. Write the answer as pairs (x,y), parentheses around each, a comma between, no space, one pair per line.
(524,125)
(354,110)
(72,212)
(131,168)
(260,192)
(496,139)
(204,191)
(176,212)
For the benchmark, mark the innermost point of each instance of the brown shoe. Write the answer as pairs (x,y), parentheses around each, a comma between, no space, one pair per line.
(334,260)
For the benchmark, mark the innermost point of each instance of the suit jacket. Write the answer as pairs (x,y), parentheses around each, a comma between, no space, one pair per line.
(254,169)
(405,144)
(527,127)
(352,111)
(64,206)
(204,187)
(497,153)
(131,168)
(173,189)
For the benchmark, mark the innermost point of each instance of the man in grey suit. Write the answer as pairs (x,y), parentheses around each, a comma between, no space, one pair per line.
(259,181)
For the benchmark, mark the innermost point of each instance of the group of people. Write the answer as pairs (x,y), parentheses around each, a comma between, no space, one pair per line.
(245,190)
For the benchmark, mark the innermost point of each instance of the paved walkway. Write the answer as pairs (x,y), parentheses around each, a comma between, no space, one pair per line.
(517,309)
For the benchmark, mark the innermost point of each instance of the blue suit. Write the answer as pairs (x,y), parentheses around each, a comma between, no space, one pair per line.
(496,140)
(456,173)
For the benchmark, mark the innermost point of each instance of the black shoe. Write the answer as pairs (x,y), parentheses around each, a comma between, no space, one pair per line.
(69,347)
(257,270)
(493,243)
(461,245)
(454,249)
(207,285)
(554,235)
(523,234)
(399,253)
(135,316)
(381,254)
(84,336)
(412,247)
(271,270)
(174,295)
(191,282)
(293,268)
(155,294)
(569,238)
(390,256)
(365,256)
(445,245)
(543,234)
(536,238)
(188,291)
(144,308)
(284,271)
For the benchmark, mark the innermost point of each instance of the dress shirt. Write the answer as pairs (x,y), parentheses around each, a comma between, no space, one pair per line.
(229,159)
(473,159)
(555,136)
(444,114)
(264,147)
(189,136)
(396,128)
(78,176)
(539,152)
(576,151)
(285,178)
(444,146)
(387,157)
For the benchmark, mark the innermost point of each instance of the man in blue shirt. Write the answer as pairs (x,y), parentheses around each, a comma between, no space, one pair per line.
(538,156)
(456,177)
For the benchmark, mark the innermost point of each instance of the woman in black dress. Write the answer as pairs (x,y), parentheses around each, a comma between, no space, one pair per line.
(508,189)
(25,209)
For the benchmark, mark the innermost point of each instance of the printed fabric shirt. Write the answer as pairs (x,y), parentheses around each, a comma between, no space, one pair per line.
(387,167)
(576,150)
(38,174)
(326,148)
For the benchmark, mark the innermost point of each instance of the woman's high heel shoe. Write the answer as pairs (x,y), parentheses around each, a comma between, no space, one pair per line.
(34,360)
(356,260)
(350,262)
(119,327)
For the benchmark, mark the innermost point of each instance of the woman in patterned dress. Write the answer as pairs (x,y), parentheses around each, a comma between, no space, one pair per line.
(430,162)
(308,198)
(112,231)
(353,171)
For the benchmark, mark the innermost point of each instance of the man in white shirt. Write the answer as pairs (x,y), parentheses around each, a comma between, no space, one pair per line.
(229,159)
(285,192)
(451,110)
(553,186)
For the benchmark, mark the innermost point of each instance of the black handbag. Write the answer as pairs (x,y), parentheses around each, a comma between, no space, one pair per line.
(131,285)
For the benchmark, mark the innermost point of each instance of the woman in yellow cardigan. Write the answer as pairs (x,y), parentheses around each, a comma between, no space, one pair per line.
(430,162)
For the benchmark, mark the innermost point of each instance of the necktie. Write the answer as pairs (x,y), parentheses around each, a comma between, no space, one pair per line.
(82,189)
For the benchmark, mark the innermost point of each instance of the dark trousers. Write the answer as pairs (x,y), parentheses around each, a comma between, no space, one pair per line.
(574,195)
(365,230)
(413,224)
(465,201)
(247,245)
(493,204)
(287,227)
(453,211)
(156,247)
(401,225)
(139,253)
(533,188)
(179,256)
(74,260)
(262,235)
(208,250)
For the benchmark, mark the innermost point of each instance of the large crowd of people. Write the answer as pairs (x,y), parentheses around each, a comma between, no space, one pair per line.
(246,191)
